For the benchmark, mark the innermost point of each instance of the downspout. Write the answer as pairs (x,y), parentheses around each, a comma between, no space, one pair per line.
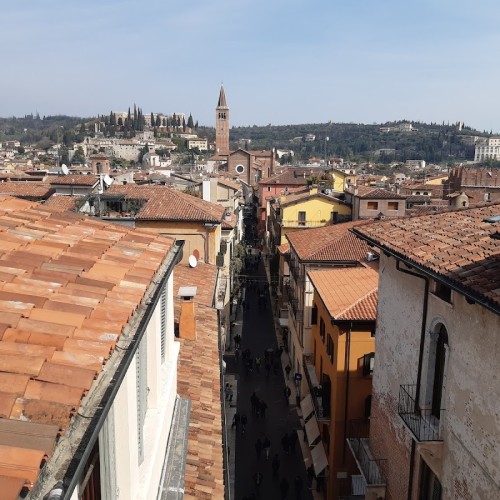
(115,384)
(420,362)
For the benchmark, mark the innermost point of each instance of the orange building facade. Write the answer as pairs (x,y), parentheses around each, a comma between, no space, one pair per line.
(341,365)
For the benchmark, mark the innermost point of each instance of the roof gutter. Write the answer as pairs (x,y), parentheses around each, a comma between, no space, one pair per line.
(108,398)
(471,296)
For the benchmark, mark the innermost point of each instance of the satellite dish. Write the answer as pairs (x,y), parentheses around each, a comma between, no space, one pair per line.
(193,261)
(64,169)
(107,180)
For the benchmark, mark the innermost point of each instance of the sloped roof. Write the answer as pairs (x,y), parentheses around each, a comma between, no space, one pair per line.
(27,190)
(198,379)
(73,180)
(164,203)
(69,286)
(349,293)
(329,243)
(456,246)
(365,192)
(63,202)
(229,183)
(298,197)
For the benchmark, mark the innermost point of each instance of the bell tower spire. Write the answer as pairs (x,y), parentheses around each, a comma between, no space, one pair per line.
(222,125)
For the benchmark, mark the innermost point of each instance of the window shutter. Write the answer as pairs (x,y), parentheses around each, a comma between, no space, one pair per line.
(163,328)
(142,402)
(368,362)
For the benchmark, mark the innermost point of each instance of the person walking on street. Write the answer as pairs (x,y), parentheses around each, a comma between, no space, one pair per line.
(262,408)
(236,421)
(267,447)
(258,362)
(285,443)
(243,421)
(298,487)
(236,355)
(284,487)
(257,480)
(275,465)
(288,369)
(287,392)
(258,448)
(254,401)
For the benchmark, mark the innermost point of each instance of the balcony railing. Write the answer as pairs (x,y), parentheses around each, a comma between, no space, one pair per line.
(298,313)
(322,410)
(424,423)
(373,470)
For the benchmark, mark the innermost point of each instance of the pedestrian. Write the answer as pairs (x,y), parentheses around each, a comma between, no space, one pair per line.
(258,361)
(287,392)
(258,448)
(298,487)
(275,465)
(267,447)
(243,423)
(285,443)
(284,487)
(254,401)
(262,408)
(257,480)
(237,339)
(292,439)
(236,355)
(310,477)
(236,421)
(288,369)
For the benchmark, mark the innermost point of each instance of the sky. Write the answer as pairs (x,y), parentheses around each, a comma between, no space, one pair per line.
(281,62)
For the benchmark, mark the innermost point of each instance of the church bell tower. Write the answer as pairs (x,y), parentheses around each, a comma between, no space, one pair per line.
(222,125)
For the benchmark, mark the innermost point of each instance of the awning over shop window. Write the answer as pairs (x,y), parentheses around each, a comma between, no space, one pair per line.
(307,407)
(312,430)
(319,459)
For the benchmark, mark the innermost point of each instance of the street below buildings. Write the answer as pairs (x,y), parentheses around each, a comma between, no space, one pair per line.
(268,415)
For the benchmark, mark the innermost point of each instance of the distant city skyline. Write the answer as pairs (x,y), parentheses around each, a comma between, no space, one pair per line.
(281,62)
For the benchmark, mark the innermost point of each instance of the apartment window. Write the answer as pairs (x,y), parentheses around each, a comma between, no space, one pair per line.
(442,291)
(330,347)
(393,205)
(314,315)
(368,406)
(430,487)
(302,218)
(437,360)
(368,362)
(322,329)
(372,205)
(334,217)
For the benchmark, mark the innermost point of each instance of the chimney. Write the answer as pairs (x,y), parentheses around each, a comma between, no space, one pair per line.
(187,320)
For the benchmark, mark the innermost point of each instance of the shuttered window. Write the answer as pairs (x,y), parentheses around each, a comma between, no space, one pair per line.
(163,328)
(142,395)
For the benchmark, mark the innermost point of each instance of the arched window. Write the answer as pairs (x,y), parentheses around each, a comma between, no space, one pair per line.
(437,361)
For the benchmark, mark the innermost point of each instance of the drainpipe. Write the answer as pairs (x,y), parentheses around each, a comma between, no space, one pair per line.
(347,367)
(420,361)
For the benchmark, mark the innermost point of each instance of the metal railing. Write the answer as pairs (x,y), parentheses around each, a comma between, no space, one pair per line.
(422,422)
(298,314)
(373,470)
(316,390)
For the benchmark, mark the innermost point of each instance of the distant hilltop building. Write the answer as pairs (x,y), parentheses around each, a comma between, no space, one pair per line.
(488,149)
(400,127)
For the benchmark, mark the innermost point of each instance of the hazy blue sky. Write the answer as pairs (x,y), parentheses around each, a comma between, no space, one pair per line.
(293,61)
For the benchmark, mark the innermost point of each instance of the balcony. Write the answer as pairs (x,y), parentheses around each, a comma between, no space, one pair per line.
(298,314)
(373,470)
(424,423)
(320,400)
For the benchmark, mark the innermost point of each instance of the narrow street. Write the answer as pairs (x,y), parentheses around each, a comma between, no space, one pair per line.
(258,336)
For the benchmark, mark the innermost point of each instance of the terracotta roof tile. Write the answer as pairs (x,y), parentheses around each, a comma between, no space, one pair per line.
(164,203)
(68,286)
(199,381)
(27,190)
(349,293)
(370,193)
(73,180)
(62,202)
(328,243)
(456,246)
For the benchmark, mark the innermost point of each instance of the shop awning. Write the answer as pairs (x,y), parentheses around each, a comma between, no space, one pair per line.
(312,430)
(319,459)
(307,407)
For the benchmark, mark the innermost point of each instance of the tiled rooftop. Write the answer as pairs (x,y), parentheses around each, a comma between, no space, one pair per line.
(68,287)
(63,202)
(199,380)
(164,203)
(454,245)
(27,190)
(229,183)
(73,180)
(349,293)
(289,176)
(328,243)
(371,193)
